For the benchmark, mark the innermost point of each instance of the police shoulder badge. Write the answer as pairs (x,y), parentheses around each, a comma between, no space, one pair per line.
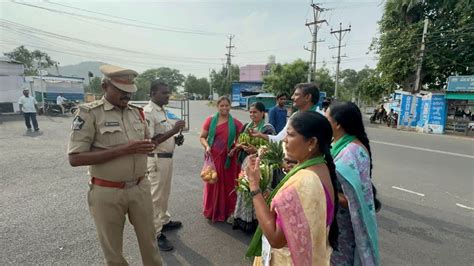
(77,123)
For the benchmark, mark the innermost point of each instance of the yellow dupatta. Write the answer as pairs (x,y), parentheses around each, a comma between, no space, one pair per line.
(301,209)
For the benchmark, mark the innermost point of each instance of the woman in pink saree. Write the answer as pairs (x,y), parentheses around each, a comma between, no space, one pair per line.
(296,224)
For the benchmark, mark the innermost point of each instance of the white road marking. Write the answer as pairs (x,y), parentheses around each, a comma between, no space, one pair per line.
(409,191)
(424,149)
(464,206)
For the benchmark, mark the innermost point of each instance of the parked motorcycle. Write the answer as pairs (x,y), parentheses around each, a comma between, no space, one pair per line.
(373,117)
(381,116)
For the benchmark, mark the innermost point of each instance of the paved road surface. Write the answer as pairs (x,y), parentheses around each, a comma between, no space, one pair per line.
(425,183)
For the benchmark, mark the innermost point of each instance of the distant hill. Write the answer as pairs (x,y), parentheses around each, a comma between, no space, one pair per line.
(80,70)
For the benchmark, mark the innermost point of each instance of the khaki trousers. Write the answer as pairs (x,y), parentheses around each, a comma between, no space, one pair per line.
(109,206)
(159,174)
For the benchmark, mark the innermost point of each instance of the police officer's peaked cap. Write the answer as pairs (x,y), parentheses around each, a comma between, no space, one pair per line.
(120,77)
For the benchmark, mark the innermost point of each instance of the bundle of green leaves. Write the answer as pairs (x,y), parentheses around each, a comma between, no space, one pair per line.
(271,158)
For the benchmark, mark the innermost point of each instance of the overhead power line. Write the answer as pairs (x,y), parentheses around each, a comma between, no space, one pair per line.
(144,25)
(269,50)
(143,22)
(126,60)
(31,31)
(339,34)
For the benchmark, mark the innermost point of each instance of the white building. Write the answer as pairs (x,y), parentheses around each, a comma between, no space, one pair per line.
(11,84)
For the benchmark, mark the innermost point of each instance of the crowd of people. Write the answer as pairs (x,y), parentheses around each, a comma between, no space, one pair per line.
(322,211)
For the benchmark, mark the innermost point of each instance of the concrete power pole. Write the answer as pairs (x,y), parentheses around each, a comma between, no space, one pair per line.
(339,36)
(229,62)
(416,88)
(211,95)
(314,43)
(41,83)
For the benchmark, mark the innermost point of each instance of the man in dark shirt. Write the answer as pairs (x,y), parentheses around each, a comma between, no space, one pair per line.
(277,115)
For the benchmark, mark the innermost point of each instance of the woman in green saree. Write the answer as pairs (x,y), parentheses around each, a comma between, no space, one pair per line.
(244,214)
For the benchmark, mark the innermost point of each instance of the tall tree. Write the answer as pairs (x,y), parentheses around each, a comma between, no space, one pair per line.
(32,60)
(373,88)
(170,76)
(193,85)
(203,87)
(219,80)
(190,84)
(325,80)
(284,77)
(95,86)
(448,41)
(349,81)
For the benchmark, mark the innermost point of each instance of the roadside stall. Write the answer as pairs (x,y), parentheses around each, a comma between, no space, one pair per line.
(460,102)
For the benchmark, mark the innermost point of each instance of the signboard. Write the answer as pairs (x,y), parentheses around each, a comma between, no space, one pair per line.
(405,109)
(425,111)
(239,87)
(418,109)
(235,94)
(243,101)
(437,117)
(395,102)
(461,83)
(433,114)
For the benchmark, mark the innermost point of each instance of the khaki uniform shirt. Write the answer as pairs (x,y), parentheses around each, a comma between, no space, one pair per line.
(159,123)
(100,125)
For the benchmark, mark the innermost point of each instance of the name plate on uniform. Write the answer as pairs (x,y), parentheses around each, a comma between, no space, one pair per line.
(112,124)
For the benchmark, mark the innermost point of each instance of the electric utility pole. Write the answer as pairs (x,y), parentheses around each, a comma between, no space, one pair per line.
(314,43)
(416,88)
(229,56)
(339,34)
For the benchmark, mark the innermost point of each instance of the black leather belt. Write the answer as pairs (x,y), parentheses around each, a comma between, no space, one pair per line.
(161,155)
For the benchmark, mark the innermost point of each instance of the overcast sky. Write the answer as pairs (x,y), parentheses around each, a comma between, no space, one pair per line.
(188,35)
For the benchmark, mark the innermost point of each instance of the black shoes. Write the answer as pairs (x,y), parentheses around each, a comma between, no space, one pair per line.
(163,243)
(171,225)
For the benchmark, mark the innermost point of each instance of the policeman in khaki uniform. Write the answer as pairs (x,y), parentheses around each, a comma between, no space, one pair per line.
(112,137)
(160,161)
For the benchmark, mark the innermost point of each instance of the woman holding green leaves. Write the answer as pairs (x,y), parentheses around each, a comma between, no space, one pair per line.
(244,215)
(296,222)
(218,136)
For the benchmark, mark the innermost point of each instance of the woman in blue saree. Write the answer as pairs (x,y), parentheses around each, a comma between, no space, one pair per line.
(358,239)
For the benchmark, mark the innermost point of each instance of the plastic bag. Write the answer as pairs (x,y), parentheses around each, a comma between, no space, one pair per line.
(208,172)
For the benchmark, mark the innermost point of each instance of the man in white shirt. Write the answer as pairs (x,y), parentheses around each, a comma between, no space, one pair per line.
(28,107)
(60,101)
(305,97)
